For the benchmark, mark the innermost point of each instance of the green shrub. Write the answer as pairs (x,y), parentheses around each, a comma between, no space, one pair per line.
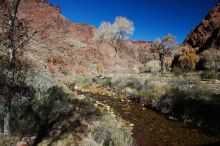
(112,131)
(118,84)
(8,140)
(84,82)
(133,83)
(209,75)
(41,81)
(32,114)
(193,101)
(153,90)
(102,81)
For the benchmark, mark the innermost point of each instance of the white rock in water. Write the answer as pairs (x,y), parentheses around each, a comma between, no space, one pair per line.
(132,125)
(81,97)
(172,118)
(76,87)
(33,138)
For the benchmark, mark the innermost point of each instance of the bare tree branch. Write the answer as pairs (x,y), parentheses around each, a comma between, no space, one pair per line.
(26,41)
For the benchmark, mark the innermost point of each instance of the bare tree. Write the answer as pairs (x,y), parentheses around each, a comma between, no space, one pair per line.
(164,47)
(14,36)
(115,33)
(212,58)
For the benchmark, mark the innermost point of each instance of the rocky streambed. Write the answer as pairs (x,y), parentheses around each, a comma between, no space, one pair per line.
(153,129)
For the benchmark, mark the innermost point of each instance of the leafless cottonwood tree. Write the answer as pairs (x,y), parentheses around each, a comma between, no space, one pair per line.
(14,36)
(212,59)
(164,47)
(115,33)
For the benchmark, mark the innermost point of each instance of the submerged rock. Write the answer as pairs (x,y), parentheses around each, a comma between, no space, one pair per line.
(132,94)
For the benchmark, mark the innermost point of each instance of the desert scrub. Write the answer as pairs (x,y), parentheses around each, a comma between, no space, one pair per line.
(41,81)
(100,91)
(133,83)
(112,131)
(153,90)
(105,131)
(102,81)
(8,140)
(71,139)
(194,102)
(210,75)
(120,83)
(84,81)
(74,127)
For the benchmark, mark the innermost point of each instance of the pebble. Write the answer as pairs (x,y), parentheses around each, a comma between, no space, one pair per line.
(81,97)
(34,137)
(172,118)
(76,87)
(132,125)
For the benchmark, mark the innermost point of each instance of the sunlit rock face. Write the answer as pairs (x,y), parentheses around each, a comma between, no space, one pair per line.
(62,47)
(207,33)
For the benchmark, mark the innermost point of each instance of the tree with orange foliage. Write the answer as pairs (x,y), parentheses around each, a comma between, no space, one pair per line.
(188,57)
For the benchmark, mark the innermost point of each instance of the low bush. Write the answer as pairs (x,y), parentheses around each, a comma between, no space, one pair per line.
(133,83)
(194,102)
(8,140)
(75,129)
(209,75)
(102,81)
(84,82)
(153,90)
(112,131)
(154,66)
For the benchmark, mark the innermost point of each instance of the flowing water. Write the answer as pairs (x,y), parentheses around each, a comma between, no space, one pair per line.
(154,129)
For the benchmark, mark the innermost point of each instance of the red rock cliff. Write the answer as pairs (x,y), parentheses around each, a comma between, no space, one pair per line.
(207,33)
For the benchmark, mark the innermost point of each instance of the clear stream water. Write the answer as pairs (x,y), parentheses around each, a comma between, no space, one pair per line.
(154,129)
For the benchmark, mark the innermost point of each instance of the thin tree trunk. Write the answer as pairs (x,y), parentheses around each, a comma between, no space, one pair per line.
(7,119)
(12,60)
(2,126)
(117,49)
(162,64)
(116,63)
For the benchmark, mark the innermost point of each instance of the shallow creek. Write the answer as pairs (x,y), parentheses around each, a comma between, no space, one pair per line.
(154,129)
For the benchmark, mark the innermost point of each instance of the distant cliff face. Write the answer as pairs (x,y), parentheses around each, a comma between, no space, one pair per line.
(63,47)
(207,33)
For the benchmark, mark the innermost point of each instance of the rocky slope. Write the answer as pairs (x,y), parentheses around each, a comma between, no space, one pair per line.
(63,47)
(207,33)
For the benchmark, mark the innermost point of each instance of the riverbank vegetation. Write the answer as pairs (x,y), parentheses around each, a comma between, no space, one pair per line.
(38,109)
(188,97)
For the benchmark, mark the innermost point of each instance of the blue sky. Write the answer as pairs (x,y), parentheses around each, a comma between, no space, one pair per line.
(153,19)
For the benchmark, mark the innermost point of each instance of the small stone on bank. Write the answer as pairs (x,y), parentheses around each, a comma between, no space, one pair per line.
(21,144)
